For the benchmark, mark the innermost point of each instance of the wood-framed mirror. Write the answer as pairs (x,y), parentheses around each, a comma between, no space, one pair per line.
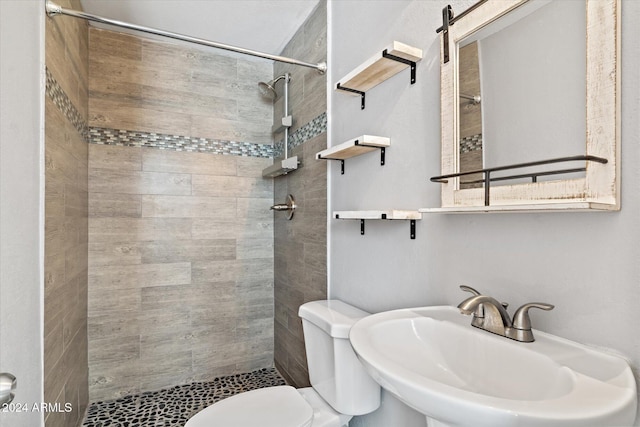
(531,81)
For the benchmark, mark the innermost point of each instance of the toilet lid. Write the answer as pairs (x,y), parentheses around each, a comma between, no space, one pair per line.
(280,406)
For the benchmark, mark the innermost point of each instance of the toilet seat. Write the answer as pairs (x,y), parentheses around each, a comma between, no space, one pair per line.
(280,406)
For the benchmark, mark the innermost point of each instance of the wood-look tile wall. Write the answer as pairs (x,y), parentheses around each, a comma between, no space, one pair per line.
(66,218)
(301,244)
(180,268)
(147,85)
(181,243)
(470,113)
(307,89)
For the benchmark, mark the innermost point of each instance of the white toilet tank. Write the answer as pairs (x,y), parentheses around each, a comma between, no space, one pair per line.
(334,369)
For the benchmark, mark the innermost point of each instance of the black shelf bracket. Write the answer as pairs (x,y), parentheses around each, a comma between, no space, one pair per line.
(412,226)
(359,92)
(411,64)
(319,157)
(382,151)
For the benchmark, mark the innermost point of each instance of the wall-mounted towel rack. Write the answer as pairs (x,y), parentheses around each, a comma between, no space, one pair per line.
(487,179)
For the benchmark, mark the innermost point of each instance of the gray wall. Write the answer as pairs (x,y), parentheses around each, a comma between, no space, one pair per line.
(21,198)
(587,264)
(301,244)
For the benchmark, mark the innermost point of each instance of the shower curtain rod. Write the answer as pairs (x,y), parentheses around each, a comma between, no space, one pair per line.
(53,9)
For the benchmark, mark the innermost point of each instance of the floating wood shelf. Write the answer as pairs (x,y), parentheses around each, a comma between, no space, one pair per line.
(355,147)
(546,207)
(388,214)
(379,68)
(393,214)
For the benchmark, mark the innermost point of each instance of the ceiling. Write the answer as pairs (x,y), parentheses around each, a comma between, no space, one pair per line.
(262,25)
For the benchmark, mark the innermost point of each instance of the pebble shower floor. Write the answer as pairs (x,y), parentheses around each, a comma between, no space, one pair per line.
(174,406)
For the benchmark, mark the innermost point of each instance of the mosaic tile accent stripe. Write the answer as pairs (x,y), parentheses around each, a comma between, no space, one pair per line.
(60,99)
(471,143)
(128,138)
(310,130)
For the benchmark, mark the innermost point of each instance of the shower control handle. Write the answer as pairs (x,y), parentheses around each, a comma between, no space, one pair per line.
(289,206)
(281,207)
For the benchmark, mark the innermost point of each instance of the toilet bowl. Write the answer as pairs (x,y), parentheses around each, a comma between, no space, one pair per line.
(340,387)
(281,406)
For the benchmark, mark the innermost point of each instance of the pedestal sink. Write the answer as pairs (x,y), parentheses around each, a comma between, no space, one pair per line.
(433,360)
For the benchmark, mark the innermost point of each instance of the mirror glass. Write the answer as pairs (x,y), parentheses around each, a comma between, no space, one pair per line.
(521,89)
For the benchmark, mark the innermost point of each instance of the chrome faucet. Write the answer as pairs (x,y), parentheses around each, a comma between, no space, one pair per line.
(496,318)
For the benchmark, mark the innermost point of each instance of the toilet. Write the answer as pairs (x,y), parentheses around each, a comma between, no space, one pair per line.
(340,387)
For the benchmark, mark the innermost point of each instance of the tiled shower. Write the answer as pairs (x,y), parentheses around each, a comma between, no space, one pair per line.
(180,243)
(174,269)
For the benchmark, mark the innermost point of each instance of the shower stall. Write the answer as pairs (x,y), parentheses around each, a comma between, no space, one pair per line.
(165,265)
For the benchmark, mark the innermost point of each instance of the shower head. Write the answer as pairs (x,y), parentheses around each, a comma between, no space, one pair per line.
(268,90)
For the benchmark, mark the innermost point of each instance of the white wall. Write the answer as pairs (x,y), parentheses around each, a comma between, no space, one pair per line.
(21,229)
(587,264)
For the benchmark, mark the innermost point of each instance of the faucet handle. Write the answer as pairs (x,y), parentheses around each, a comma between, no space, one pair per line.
(521,318)
(479,313)
(469,289)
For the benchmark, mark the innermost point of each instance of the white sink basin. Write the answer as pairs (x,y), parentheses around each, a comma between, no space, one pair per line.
(433,360)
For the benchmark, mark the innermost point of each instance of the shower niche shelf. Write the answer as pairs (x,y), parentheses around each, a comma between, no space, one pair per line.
(379,68)
(355,147)
(393,214)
